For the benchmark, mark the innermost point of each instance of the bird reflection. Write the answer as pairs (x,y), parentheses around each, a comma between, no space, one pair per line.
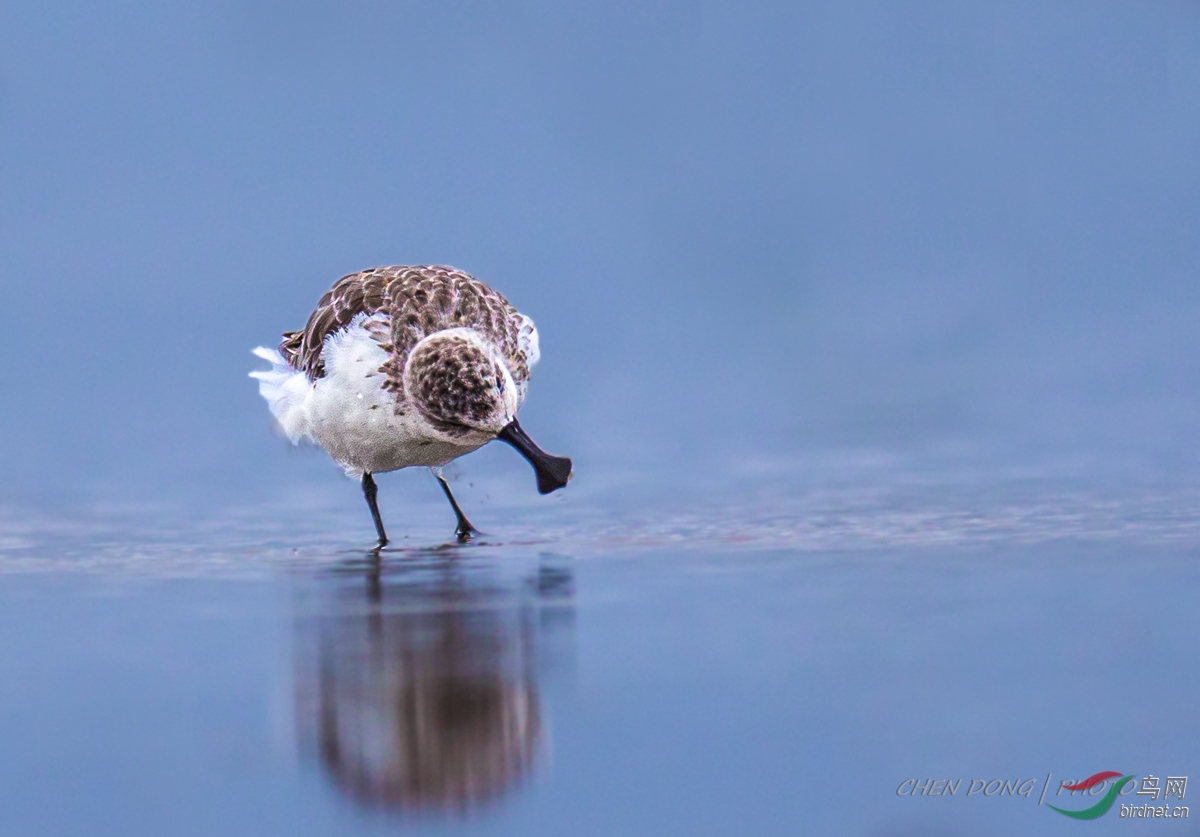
(418,682)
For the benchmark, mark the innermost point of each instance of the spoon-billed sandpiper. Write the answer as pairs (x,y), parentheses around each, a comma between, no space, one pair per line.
(402,366)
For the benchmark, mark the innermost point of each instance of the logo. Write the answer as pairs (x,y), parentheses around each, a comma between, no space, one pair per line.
(1101,807)
(1104,788)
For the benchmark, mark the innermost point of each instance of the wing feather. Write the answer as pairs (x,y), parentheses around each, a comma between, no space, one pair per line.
(417,300)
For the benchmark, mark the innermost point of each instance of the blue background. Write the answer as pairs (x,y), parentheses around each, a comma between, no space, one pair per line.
(744,230)
(871,328)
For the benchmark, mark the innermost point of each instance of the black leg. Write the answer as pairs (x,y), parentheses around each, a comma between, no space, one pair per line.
(464,529)
(369,491)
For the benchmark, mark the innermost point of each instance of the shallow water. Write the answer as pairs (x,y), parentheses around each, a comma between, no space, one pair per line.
(752,662)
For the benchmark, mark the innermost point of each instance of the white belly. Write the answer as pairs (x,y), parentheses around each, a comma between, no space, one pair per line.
(350,414)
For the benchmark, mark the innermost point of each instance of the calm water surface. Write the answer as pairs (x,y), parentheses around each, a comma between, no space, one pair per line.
(777,667)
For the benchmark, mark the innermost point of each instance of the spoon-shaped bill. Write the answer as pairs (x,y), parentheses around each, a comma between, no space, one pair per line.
(553,472)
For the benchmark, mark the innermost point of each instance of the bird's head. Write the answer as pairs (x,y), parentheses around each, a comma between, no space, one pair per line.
(461,384)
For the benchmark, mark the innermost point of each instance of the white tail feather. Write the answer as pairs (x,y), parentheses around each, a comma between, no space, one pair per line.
(287,392)
(527,341)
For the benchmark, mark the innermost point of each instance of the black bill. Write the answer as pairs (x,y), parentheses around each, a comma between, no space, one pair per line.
(553,472)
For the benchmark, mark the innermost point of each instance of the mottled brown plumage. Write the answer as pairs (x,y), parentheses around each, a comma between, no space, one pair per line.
(418,300)
(453,382)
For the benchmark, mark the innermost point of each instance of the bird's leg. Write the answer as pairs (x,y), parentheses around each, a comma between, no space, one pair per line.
(464,529)
(369,491)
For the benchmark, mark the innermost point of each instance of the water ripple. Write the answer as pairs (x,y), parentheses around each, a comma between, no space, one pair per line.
(162,540)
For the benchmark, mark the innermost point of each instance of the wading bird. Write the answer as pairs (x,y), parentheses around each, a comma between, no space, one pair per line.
(402,366)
